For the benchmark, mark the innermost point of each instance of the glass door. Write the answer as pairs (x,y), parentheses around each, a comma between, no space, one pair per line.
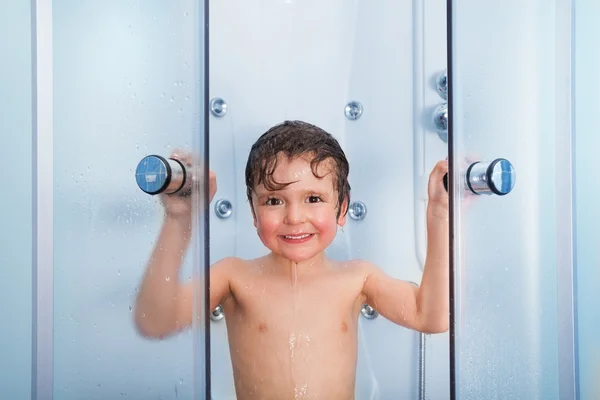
(115,81)
(587,212)
(15,202)
(510,154)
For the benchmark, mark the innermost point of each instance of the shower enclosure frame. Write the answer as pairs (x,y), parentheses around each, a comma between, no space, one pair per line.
(43,207)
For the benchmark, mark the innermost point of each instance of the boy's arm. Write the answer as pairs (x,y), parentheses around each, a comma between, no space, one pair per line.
(161,292)
(219,291)
(424,308)
(165,305)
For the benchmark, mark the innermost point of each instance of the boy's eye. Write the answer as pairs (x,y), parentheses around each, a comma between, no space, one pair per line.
(314,199)
(272,201)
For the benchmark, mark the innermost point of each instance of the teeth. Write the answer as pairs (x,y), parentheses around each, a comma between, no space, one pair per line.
(298,237)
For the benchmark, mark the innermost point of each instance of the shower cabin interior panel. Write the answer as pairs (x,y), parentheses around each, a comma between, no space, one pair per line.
(15,202)
(506,268)
(587,212)
(328,64)
(125,85)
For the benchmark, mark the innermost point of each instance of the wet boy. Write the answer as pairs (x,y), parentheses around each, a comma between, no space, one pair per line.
(292,315)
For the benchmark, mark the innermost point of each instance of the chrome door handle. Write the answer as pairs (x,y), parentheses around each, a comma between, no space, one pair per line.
(155,174)
(496,177)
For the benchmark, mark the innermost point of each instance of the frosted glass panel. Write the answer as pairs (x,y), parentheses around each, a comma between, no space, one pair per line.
(505,277)
(127,83)
(587,107)
(15,201)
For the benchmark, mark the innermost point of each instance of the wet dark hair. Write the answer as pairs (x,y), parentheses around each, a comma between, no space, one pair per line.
(295,139)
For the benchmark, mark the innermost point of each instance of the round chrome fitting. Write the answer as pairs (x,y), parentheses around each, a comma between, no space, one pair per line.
(353,110)
(368,312)
(497,177)
(218,107)
(441,84)
(357,210)
(217,314)
(223,208)
(440,121)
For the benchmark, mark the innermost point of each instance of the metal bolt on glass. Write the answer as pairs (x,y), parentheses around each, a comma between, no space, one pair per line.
(353,110)
(217,314)
(368,312)
(357,210)
(218,107)
(440,121)
(223,208)
(441,84)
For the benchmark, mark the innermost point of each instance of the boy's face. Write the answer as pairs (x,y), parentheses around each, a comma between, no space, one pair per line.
(299,221)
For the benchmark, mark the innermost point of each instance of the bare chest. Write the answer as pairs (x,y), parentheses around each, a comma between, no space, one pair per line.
(300,311)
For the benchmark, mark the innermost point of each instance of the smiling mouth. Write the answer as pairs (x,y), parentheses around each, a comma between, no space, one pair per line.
(297,238)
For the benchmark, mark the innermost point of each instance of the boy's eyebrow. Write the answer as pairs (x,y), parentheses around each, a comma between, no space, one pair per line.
(309,191)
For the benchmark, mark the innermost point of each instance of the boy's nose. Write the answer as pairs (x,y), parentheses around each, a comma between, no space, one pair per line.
(294,214)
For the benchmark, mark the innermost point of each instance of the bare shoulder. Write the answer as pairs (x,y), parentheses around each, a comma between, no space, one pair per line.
(359,269)
(359,266)
(241,267)
(228,262)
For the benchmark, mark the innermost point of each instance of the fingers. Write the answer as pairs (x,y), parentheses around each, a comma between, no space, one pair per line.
(182,156)
(212,184)
(440,169)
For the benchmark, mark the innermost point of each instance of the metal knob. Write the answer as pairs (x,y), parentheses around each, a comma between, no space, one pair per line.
(440,121)
(357,210)
(368,312)
(496,177)
(218,107)
(223,208)
(155,174)
(441,84)
(217,314)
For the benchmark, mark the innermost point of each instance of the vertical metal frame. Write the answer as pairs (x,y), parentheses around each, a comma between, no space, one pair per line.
(452,199)
(43,201)
(565,194)
(201,324)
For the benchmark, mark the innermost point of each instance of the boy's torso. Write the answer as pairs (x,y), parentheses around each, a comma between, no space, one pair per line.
(294,338)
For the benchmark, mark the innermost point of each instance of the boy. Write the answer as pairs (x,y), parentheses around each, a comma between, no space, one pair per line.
(292,315)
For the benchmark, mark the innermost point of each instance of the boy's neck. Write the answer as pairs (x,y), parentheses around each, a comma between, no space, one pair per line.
(296,269)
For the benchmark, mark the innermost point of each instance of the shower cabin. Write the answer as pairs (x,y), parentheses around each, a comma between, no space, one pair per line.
(503,89)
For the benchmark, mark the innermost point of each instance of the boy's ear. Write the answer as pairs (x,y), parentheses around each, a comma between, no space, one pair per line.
(343,212)
(253,213)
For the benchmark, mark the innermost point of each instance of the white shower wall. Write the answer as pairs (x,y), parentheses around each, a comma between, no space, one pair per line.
(284,59)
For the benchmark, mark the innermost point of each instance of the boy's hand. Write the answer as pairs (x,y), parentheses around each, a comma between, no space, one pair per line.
(438,196)
(178,205)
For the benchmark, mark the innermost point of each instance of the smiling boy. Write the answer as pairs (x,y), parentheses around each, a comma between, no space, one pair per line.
(292,315)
